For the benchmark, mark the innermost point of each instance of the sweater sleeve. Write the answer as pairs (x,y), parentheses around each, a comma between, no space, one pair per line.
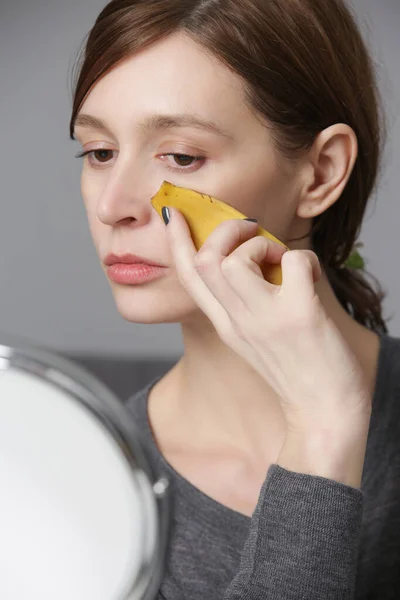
(303,540)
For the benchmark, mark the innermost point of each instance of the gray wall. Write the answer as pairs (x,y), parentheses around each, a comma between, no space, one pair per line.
(52,289)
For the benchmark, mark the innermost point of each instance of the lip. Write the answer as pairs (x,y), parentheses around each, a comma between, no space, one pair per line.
(129,259)
(134,273)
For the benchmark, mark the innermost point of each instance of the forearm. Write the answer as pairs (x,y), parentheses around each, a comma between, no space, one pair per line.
(335,451)
(305,532)
(303,540)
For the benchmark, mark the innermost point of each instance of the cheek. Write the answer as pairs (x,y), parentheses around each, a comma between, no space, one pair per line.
(255,194)
(266,195)
(88,190)
(90,193)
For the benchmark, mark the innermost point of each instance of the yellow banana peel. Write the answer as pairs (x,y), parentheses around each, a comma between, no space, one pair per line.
(203,213)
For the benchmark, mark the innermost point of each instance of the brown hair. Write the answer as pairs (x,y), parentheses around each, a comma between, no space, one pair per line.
(304,66)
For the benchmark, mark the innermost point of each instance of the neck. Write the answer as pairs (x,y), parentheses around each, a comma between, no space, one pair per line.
(220,400)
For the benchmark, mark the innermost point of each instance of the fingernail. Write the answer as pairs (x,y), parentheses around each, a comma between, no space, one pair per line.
(252,220)
(165,214)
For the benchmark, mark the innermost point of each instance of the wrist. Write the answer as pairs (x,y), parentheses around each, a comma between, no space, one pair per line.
(333,453)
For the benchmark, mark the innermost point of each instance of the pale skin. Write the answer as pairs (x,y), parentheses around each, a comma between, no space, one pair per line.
(219,416)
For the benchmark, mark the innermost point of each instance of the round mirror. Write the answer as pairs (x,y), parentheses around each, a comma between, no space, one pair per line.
(82,515)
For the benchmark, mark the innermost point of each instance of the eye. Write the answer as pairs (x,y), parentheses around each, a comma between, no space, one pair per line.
(102,155)
(97,157)
(184,162)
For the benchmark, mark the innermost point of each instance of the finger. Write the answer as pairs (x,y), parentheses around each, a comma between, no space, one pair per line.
(258,251)
(300,271)
(228,236)
(231,237)
(184,252)
(243,273)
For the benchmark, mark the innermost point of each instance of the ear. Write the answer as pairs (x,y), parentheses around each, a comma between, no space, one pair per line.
(327,169)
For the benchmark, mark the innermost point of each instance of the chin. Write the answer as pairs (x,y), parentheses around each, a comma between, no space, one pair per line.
(151,305)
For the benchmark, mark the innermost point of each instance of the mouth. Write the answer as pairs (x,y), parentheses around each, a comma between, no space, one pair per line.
(129,259)
(130,269)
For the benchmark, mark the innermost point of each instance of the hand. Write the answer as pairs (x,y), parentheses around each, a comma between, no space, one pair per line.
(282,331)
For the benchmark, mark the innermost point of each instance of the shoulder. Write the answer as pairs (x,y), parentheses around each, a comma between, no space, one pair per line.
(389,360)
(136,404)
(386,402)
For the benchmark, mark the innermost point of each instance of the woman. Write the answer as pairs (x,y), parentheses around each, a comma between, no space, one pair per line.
(262,426)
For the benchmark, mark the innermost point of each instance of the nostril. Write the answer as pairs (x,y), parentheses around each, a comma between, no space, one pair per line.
(126,220)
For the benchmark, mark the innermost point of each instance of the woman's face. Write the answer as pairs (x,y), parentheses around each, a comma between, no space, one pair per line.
(237,165)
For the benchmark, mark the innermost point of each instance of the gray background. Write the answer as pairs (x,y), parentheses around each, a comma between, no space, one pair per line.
(52,289)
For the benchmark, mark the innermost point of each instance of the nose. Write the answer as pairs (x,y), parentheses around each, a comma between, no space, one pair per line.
(126,197)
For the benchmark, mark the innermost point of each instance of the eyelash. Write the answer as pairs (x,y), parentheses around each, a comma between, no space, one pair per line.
(175,169)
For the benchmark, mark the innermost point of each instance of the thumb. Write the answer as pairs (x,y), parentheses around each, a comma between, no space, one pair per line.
(301,269)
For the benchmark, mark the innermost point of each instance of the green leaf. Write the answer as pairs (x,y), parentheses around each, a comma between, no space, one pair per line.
(355,261)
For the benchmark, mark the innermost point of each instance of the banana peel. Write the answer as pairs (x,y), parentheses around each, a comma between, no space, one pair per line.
(203,213)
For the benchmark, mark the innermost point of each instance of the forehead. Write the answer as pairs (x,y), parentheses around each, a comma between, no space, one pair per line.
(173,75)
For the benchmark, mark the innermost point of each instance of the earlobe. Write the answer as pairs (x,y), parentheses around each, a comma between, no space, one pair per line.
(330,163)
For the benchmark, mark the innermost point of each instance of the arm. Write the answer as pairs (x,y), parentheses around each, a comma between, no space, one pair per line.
(304,535)
(305,532)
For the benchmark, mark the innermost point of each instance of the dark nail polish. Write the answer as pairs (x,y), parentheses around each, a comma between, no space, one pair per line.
(165,214)
(252,220)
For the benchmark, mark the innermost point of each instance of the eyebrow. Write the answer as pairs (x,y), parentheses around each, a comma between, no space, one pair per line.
(156,122)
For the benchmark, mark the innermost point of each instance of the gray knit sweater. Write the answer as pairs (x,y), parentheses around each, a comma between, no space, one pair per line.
(309,538)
